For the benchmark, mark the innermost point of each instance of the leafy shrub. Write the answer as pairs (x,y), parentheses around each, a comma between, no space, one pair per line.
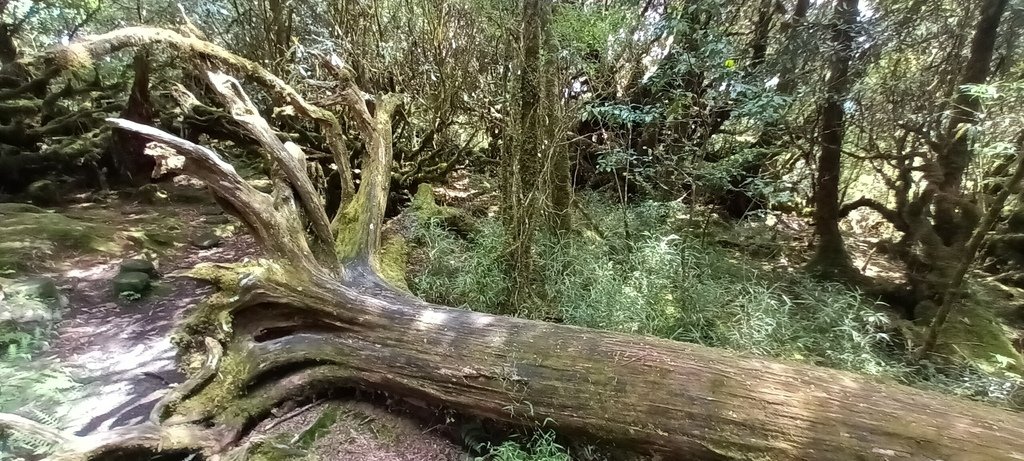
(462,273)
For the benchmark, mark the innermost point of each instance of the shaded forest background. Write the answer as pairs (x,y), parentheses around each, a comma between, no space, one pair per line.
(836,183)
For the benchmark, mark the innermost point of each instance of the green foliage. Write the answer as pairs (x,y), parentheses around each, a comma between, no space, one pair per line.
(664,282)
(540,447)
(30,387)
(462,273)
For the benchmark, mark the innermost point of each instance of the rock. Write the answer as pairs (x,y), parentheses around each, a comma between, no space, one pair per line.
(217,220)
(44,193)
(211,211)
(152,194)
(33,287)
(139,265)
(132,282)
(206,240)
(160,237)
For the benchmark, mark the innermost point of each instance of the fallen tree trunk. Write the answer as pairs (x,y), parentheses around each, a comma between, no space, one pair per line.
(645,394)
(317,316)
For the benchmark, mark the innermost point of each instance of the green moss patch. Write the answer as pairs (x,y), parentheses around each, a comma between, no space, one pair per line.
(32,238)
(393,260)
(974,334)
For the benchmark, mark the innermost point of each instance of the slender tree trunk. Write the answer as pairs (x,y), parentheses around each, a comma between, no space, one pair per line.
(279,32)
(964,113)
(762,30)
(830,258)
(790,50)
(951,295)
(951,244)
(522,167)
(8,49)
(558,205)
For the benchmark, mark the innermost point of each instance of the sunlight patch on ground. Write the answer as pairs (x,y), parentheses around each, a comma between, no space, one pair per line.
(90,273)
(113,377)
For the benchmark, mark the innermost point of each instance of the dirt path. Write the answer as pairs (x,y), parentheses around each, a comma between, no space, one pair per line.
(120,350)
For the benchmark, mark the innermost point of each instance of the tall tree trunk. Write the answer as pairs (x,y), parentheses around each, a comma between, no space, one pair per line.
(830,257)
(127,151)
(522,165)
(557,165)
(311,318)
(279,31)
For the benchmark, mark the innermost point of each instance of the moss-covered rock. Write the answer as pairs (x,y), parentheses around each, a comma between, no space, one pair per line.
(217,220)
(21,311)
(139,265)
(393,261)
(132,282)
(33,287)
(15,207)
(973,334)
(31,238)
(152,194)
(205,240)
(44,193)
(263,185)
(161,237)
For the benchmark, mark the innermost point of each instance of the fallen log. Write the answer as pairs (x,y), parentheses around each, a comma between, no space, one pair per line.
(317,316)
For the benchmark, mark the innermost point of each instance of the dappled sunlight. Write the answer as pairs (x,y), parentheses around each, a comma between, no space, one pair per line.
(430,318)
(91,273)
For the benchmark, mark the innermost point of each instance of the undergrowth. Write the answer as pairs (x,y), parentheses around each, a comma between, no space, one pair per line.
(651,274)
(30,387)
(540,447)
(662,282)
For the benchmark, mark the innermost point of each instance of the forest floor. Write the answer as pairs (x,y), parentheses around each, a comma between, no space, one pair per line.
(119,351)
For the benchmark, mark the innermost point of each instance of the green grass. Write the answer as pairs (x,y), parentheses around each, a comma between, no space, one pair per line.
(540,447)
(662,282)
